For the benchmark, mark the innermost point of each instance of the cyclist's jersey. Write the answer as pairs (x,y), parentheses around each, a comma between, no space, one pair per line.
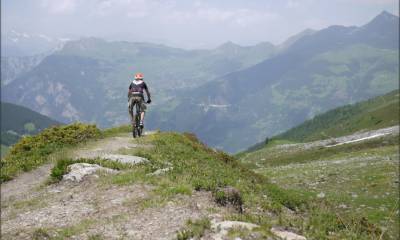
(137,87)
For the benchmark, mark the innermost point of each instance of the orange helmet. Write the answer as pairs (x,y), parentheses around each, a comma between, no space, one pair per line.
(139,76)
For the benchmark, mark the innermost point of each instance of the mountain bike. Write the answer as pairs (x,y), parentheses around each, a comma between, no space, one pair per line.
(136,129)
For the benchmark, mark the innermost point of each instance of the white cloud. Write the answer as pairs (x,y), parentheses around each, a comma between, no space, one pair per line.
(59,6)
(292,4)
(241,17)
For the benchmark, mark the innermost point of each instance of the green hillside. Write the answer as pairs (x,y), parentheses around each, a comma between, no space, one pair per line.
(17,121)
(359,178)
(379,112)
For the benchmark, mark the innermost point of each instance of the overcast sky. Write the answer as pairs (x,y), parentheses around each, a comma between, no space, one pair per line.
(186,23)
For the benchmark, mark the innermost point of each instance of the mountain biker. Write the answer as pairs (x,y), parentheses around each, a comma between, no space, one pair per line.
(136,96)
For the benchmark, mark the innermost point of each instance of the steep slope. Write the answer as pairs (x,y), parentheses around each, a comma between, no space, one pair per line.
(329,68)
(379,112)
(291,40)
(91,72)
(17,121)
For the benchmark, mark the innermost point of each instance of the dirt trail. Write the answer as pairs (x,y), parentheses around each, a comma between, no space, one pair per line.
(28,181)
(94,206)
(24,184)
(108,146)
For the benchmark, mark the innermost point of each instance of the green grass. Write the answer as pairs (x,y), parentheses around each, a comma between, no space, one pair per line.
(358,181)
(109,132)
(33,151)
(270,156)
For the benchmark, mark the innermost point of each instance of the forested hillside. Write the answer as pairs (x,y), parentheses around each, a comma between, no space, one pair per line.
(17,121)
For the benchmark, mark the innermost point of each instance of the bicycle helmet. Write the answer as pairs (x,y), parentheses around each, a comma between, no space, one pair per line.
(139,76)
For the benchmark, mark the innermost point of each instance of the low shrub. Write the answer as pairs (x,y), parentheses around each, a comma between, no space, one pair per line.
(33,151)
(229,196)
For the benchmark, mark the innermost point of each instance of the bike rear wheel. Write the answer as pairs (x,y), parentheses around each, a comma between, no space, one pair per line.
(134,131)
(137,131)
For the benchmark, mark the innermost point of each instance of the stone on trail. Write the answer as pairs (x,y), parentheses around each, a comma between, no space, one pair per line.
(286,235)
(124,158)
(78,171)
(221,229)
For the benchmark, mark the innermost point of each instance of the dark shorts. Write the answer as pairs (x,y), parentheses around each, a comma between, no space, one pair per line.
(138,101)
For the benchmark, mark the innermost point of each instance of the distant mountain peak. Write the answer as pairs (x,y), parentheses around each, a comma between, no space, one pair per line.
(382,18)
(228,45)
(386,14)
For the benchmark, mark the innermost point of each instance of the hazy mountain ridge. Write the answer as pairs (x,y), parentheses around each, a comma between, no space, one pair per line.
(21,44)
(329,68)
(13,67)
(93,72)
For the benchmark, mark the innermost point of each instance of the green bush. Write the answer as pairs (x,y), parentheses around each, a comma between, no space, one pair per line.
(33,151)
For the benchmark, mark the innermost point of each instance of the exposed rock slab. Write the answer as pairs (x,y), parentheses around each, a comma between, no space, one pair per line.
(287,235)
(221,229)
(78,171)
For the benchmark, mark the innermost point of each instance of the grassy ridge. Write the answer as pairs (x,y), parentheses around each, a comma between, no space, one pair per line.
(195,167)
(378,112)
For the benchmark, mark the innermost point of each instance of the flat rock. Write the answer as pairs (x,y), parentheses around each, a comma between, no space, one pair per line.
(124,158)
(221,228)
(78,171)
(286,235)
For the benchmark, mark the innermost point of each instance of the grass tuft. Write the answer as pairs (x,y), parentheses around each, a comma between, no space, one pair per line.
(194,229)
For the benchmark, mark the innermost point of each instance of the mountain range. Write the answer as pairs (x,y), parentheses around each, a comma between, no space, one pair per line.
(21,44)
(320,71)
(231,96)
(87,80)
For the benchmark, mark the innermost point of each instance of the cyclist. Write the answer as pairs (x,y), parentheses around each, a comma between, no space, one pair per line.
(136,96)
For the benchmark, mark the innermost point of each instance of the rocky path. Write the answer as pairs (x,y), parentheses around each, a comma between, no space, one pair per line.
(93,207)
(25,183)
